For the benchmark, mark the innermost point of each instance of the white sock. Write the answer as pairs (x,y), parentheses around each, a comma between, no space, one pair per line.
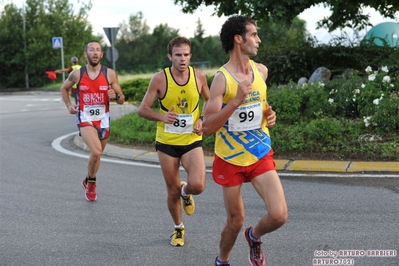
(183,193)
(179,225)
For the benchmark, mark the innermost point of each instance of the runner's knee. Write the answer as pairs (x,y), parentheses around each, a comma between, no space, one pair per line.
(279,217)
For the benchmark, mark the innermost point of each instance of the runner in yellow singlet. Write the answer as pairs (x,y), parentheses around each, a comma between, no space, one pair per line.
(239,115)
(179,130)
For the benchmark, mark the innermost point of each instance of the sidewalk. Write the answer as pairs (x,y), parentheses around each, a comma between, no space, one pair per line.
(281,165)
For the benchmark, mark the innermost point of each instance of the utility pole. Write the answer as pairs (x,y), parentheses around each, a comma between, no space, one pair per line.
(25,49)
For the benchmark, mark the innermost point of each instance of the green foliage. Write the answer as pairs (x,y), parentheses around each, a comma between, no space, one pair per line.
(132,128)
(378,100)
(344,13)
(11,47)
(134,90)
(352,115)
(355,97)
(386,115)
(146,52)
(135,28)
(317,119)
(319,135)
(355,115)
(289,62)
(26,40)
(286,102)
(342,97)
(287,50)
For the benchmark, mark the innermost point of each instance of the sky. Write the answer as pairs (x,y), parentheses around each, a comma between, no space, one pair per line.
(157,12)
(105,13)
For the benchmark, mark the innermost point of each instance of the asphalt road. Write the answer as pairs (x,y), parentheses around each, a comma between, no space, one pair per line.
(45,219)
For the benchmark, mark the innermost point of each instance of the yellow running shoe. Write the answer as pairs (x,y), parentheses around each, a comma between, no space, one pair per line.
(177,238)
(188,202)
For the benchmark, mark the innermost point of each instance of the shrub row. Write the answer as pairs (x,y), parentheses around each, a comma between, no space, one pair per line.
(290,64)
(355,116)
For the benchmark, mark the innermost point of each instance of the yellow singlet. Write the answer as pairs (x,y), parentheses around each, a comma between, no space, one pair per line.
(244,138)
(185,99)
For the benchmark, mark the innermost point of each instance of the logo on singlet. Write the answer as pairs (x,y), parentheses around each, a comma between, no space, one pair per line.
(93,98)
(183,104)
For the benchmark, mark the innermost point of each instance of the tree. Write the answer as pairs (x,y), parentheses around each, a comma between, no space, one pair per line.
(214,52)
(137,26)
(145,52)
(12,51)
(274,35)
(132,43)
(344,13)
(43,19)
(161,36)
(199,32)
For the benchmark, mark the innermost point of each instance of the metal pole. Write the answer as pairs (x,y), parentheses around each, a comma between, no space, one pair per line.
(62,59)
(26,57)
(112,50)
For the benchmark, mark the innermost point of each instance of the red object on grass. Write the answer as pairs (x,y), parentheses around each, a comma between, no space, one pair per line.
(51,75)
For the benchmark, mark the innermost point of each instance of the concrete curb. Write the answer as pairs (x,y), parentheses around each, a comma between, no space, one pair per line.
(282,165)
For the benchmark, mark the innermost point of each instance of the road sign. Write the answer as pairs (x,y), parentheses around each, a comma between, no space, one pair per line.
(112,54)
(57,42)
(111,34)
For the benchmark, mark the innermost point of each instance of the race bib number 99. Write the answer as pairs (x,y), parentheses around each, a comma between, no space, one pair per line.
(183,125)
(94,112)
(246,118)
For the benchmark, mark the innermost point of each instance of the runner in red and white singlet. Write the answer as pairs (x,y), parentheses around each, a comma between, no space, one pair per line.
(97,85)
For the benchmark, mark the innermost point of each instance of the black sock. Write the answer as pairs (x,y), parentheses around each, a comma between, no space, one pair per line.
(90,179)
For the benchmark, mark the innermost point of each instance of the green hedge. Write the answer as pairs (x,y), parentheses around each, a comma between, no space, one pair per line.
(287,64)
(354,116)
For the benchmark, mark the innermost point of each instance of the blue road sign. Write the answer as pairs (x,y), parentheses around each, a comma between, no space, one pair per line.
(57,42)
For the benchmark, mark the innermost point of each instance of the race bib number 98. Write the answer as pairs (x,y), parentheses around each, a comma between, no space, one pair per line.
(183,125)
(246,118)
(94,112)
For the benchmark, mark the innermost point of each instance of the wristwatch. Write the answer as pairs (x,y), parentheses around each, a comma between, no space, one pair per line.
(117,96)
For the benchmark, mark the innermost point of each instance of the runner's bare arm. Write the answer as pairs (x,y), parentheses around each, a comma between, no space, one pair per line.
(73,77)
(115,90)
(156,88)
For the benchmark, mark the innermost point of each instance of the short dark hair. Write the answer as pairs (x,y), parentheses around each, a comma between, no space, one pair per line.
(231,27)
(177,42)
(74,59)
(87,44)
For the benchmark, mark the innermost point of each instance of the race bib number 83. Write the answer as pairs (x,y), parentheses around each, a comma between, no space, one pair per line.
(183,125)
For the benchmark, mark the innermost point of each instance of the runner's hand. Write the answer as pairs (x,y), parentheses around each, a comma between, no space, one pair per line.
(244,88)
(170,117)
(271,116)
(73,109)
(111,93)
(198,127)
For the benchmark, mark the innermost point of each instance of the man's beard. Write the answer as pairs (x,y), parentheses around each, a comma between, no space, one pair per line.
(92,63)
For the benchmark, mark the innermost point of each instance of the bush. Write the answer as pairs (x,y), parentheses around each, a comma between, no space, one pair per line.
(286,63)
(355,117)
(134,90)
(335,117)
(133,129)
